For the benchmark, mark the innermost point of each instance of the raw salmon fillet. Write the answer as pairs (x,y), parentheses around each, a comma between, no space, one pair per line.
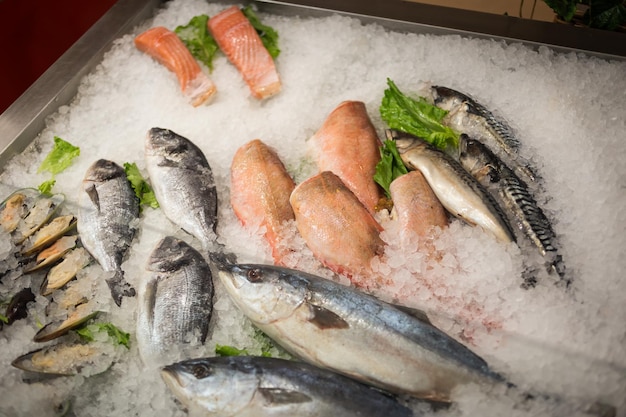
(166,47)
(259,193)
(243,46)
(348,146)
(337,228)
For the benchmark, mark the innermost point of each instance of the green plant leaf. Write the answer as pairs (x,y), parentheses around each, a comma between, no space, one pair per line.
(268,35)
(196,37)
(46,186)
(564,9)
(224,350)
(389,167)
(60,157)
(143,191)
(606,14)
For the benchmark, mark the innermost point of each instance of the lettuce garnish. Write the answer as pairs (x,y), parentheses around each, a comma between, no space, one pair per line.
(196,37)
(143,191)
(59,158)
(417,117)
(117,335)
(389,167)
(268,35)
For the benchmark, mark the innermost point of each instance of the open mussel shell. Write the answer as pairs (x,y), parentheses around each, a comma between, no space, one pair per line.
(53,253)
(30,209)
(58,328)
(66,359)
(49,233)
(73,261)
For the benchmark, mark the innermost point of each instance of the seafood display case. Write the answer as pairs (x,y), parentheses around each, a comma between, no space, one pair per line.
(466,326)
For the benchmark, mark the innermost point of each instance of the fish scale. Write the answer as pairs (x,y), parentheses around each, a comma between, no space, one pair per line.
(513,192)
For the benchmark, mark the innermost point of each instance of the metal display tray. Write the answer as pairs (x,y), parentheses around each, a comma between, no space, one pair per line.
(25,118)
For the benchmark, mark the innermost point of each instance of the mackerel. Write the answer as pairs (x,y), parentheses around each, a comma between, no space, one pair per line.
(458,191)
(347,331)
(259,386)
(515,197)
(468,116)
(107,215)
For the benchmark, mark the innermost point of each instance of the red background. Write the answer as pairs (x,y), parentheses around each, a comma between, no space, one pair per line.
(35,33)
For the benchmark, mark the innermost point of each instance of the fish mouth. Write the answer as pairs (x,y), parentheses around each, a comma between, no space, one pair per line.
(171,378)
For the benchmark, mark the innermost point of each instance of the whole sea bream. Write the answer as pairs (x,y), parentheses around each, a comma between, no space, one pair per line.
(458,191)
(258,386)
(183,183)
(176,302)
(345,330)
(108,211)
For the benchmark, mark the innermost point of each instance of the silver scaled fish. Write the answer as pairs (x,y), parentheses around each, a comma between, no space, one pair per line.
(259,386)
(458,191)
(347,331)
(176,304)
(107,214)
(515,197)
(183,183)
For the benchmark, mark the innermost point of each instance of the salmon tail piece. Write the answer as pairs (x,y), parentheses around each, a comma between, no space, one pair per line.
(166,47)
(240,42)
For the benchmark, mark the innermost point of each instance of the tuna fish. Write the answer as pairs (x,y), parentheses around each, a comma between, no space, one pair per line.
(347,331)
(107,214)
(258,386)
(176,304)
(183,183)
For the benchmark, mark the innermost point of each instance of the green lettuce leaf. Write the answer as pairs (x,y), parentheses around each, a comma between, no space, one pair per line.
(268,35)
(224,350)
(196,37)
(115,333)
(143,191)
(46,186)
(606,14)
(565,9)
(389,167)
(417,117)
(60,157)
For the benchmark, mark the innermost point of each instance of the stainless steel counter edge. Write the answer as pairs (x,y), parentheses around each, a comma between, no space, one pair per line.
(25,118)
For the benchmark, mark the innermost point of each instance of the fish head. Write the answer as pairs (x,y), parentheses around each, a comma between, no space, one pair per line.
(103,170)
(264,293)
(447,98)
(408,145)
(172,149)
(214,384)
(170,254)
(472,154)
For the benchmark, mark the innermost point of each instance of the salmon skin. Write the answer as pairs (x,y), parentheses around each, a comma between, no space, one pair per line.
(259,192)
(240,42)
(348,146)
(166,47)
(515,197)
(337,228)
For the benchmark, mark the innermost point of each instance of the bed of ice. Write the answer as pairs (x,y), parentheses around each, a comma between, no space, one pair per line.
(567,108)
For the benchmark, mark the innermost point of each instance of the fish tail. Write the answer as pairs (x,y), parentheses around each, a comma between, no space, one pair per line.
(119,287)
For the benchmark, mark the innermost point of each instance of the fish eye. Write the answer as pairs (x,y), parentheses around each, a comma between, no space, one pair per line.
(255,275)
(201,371)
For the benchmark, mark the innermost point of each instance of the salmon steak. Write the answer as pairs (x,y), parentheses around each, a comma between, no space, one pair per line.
(166,47)
(240,42)
(259,193)
(348,146)
(339,230)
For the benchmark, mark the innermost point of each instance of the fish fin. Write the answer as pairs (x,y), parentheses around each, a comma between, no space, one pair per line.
(150,301)
(414,312)
(92,192)
(119,288)
(326,319)
(281,396)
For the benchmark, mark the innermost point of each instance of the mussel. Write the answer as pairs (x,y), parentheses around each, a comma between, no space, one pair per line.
(49,233)
(73,261)
(26,210)
(53,253)
(82,314)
